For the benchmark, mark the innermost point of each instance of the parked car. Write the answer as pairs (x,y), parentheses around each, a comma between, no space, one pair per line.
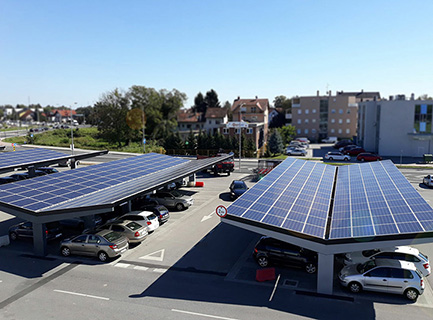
(4,180)
(39,173)
(296,152)
(342,143)
(104,244)
(237,188)
(428,180)
(20,176)
(354,151)
(332,155)
(159,210)
(350,146)
(48,170)
(366,156)
(135,232)
(272,251)
(25,230)
(146,218)
(404,253)
(303,139)
(79,223)
(330,140)
(383,275)
(173,199)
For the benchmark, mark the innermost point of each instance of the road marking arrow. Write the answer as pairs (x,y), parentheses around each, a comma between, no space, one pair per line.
(155,256)
(206,217)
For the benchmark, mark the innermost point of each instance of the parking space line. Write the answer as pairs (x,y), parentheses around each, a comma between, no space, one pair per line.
(81,294)
(159,270)
(275,288)
(141,268)
(122,265)
(202,314)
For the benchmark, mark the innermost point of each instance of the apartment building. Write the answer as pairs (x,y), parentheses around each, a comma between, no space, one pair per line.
(396,127)
(318,117)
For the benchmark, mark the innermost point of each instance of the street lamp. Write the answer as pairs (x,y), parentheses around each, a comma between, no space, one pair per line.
(240,134)
(72,132)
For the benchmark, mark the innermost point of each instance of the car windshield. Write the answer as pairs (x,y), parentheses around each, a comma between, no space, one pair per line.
(151,216)
(112,236)
(239,186)
(133,225)
(364,267)
(175,193)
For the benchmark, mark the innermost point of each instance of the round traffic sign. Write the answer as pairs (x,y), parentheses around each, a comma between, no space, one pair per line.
(221,211)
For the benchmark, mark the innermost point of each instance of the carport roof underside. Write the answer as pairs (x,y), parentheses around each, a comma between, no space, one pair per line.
(333,205)
(98,187)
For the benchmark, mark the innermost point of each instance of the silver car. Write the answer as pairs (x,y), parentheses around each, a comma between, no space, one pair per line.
(383,275)
(428,180)
(104,244)
(173,199)
(132,230)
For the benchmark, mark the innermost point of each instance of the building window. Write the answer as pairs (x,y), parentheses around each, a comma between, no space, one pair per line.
(333,111)
(253,109)
(298,131)
(313,130)
(210,122)
(332,130)
(340,121)
(306,131)
(348,111)
(347,131)
(238,131)
(299,111)
(340,111)
(423,118)
(313,111)
(307,111)
(306,121)
(299,121)
(313,120)
(188,126)
(250,131)
(226,130)
(217,121)
(332,120)
(347,120)
(340,131)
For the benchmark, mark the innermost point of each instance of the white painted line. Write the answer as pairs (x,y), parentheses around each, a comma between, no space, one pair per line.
(141,268)
(122,265)
(155,256)
(275,287)
(159,270)
(82,295)
(202,314)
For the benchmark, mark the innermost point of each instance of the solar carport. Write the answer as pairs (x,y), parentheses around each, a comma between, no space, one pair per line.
(331,210)
(90,190)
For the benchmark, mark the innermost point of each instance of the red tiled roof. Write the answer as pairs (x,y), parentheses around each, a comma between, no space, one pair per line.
(65,113)
(261,103)
(216,112)
(187,116)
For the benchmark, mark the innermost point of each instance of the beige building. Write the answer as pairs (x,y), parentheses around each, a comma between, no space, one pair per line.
(318,117)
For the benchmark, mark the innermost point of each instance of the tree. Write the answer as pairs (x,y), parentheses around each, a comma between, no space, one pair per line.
(86,112)
(211,99)
(275,143)
(424,97)
(283,102)
(288,133)
(191,142)
(250,148)
(278,120)
(173,141)
(200,104)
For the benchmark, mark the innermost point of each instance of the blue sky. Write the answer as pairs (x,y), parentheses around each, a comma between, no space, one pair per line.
(61,52)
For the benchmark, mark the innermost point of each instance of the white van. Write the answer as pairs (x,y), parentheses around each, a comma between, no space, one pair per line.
(330,140)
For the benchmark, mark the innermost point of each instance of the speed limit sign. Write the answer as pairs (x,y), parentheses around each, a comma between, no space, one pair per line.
(221,211)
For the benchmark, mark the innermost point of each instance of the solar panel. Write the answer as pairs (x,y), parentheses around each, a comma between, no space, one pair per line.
(375,199)
(17,158)
(294,196)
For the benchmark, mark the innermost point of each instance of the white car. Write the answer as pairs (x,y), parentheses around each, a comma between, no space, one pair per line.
(332,155)
(403,253)
(428,180)
(330,140)
(296,152)
(145,218)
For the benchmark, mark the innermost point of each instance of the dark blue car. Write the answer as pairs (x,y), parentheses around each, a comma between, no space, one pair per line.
(237,188)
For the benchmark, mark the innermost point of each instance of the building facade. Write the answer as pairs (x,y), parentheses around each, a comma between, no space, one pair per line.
(396,127)
(215,118)
(317,117)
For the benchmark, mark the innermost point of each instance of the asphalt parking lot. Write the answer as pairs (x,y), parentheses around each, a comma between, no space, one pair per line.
(193,265)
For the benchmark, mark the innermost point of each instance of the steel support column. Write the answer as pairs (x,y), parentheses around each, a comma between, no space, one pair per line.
(325,273)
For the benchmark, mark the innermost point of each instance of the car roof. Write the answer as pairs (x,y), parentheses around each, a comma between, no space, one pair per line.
(395,263)
(139,213)
(407,249)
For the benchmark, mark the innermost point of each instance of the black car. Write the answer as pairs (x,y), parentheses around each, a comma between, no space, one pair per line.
(237,188)
(25,230)
(48,170)
(4,180)
(20,176)
(342,143)
(159,210)
(272,251)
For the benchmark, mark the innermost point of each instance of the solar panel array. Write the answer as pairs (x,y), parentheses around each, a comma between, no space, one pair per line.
(18,158)
(87,186)
(372,199)
(375,199)
(294,196)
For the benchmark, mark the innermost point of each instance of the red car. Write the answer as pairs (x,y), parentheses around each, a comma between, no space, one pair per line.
(368,157)
(354,151)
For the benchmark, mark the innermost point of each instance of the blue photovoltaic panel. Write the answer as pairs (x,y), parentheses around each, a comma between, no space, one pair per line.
(17,158)
(375,199)
(94,185)
(294,196)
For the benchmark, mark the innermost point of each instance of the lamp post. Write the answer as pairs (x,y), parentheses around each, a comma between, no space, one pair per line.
(72,132)
(240,134)
(144,120)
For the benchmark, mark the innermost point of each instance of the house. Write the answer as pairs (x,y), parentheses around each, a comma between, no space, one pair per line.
(396,127)
(215,118)
(189,121)
(255,113)
(61,115)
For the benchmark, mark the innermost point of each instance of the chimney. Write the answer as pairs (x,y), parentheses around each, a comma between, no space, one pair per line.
(412,96)
(238,98)
(257,97)
(318,93)
(391,98)
(330,93)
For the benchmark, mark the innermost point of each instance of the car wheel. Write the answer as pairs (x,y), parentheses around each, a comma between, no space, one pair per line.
(102,256)
(331,158)
(355,287)
(263,261)
(180,207)
(362,159)
(411,294)
(228,173)
(346,159)
(65,251)
(13,236)
(310,268)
